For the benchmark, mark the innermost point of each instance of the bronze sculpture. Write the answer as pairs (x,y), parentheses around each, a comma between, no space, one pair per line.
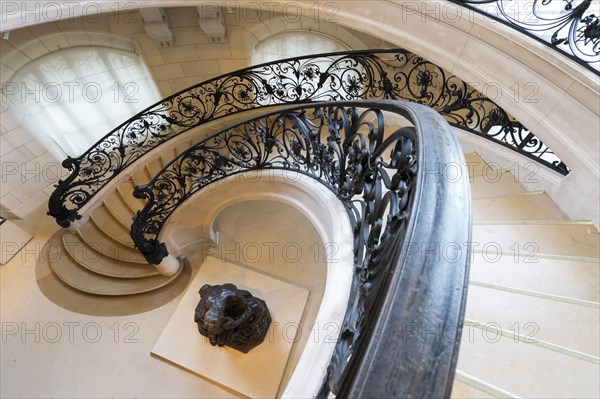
(231,317)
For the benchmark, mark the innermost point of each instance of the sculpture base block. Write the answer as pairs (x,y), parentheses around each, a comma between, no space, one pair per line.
(256,374)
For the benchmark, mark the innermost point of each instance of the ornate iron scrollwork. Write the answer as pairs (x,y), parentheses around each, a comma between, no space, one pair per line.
(380,74)
(569,26)
(369,167)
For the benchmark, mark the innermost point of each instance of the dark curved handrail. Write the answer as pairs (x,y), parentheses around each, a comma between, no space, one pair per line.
(400,206)
(374,74)
(574,32)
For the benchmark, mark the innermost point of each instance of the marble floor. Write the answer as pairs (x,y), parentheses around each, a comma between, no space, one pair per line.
(80,346)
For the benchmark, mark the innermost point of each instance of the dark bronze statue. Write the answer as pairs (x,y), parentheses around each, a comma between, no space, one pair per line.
(229,316)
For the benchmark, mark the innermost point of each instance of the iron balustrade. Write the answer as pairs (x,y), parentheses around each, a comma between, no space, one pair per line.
(374,74)
(383,177)
(571,27)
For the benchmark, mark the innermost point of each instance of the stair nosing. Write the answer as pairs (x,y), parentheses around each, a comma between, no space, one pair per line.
(108,208)
(583,259)
(119,190)
(128,244)
(541,222)
(524,194)
(109,238)
(546,345)
(168,279)
(483,386)
(134,264)
(537,294)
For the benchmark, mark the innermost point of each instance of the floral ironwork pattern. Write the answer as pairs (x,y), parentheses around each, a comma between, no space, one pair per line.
(368,75)
(370,167)
(570,26)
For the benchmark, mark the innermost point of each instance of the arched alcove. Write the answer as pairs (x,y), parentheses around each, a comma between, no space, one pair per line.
(75,95)
(295,44)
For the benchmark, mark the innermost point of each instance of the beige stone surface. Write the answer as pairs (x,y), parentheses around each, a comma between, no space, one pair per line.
(256,374)
(12,239)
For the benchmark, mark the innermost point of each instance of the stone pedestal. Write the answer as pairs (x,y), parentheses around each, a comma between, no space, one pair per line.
(254,374)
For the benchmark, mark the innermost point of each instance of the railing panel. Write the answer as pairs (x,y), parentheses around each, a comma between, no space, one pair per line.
(571,27)
(391,183)
(377,74)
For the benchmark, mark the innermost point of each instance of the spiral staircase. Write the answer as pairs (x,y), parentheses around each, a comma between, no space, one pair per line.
(514,311)
(531,324)
(534,275)
(530,320)
(99,257)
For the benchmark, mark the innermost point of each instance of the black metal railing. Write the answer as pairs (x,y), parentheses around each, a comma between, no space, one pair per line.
(376,74)
(570,26)
(399,209)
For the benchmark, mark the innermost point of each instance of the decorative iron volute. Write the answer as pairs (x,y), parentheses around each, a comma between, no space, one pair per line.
(65,194)
(231,317)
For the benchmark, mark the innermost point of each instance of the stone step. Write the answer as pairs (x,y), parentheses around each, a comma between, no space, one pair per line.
(183,145)
(468,387)
(495,183)
(96,239)
(154,166)
(476,166)
(527,206)
(82,279)
(525,369)
(566,278)
(126,192)
(537,238)
(119,209)
(140,176)
(168,155)
(110,226)
(93,260)
(568,325)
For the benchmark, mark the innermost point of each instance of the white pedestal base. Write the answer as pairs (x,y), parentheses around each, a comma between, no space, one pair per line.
(256,374)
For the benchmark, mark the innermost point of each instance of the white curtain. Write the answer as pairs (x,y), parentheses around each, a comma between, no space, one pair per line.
(78,95)
(295,44)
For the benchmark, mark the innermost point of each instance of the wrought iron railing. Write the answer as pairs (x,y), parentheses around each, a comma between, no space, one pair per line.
(399,211)
(569,26)
(377,74)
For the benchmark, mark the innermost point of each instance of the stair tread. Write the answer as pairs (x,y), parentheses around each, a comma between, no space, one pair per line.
(462,390)
(126,192)
(154,166)
(106,222)
(119,210)
(523,369)
(539,318)
(579,280)
(93,260)
(70,272)
(581,240)
(495,183)
(520,207)
(476,166)
(96,239)
(140,176)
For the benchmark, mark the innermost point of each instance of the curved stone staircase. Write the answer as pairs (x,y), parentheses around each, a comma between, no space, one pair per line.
(99,257)
(532,319)
(531,326)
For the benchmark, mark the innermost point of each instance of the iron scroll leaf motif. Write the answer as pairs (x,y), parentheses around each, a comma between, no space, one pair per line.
(569,26)
(369,167)
(368,75)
